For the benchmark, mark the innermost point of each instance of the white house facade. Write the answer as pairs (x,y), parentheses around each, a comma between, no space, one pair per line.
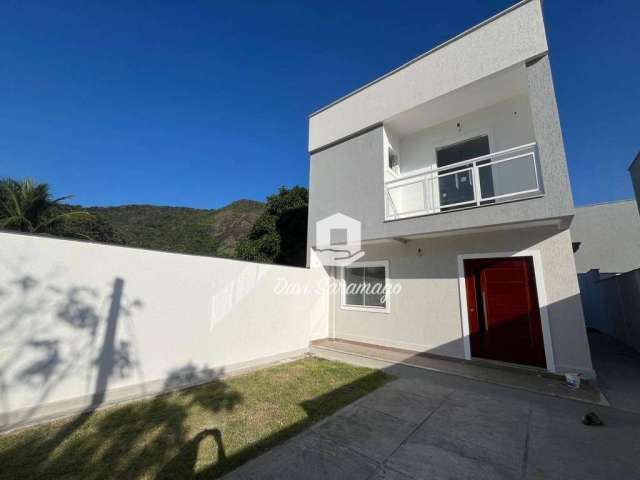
(454,165)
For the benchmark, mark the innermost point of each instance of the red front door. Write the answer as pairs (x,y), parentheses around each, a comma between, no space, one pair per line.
(504,318)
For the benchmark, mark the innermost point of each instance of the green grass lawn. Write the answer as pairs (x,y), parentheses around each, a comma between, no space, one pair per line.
(201,432)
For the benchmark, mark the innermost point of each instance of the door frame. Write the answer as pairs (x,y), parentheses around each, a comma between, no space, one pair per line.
(540,289)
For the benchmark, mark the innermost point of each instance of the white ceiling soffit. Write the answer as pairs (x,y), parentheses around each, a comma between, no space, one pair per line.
(478,95)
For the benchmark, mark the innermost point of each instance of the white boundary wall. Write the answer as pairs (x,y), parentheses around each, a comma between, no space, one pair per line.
(78,318)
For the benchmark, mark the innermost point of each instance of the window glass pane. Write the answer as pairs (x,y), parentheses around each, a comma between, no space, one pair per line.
(461,151)
(408,197)
(375,287)
(511,176)
(393,160)
(353,284)
(456,187)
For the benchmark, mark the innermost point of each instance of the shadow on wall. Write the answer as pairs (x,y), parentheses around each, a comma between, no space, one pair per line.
(519,338)
(61,342)
(510,338)
(51,335)
(126,441)
(591,301)
(611,304)
(428,272)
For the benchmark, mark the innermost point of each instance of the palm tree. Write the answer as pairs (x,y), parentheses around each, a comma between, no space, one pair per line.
(28,206)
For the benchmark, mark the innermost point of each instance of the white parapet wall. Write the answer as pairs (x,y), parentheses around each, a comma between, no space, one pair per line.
(510,38)
(84,324)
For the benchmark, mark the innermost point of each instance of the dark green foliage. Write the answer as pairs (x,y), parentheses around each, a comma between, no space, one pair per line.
(246,229)
(94,228)
(27,206)
(280,233)
(182,230)
(262,244)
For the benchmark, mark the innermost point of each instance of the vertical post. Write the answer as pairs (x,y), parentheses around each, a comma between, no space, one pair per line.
(386,203)
(475,178)
(425,203)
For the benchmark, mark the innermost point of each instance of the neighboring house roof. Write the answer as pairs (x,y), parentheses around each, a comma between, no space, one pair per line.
(609,237)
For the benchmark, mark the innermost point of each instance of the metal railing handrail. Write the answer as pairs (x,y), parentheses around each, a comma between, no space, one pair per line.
(472,166)
(425,171)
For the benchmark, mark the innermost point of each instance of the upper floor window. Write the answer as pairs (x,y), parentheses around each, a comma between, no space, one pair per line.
(393,161)
(456,185)
(464,150)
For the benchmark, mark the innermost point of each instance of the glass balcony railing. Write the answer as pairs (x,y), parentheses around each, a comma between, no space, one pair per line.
(471,183)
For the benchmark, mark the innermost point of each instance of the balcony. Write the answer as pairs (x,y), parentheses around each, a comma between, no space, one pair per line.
(497,177)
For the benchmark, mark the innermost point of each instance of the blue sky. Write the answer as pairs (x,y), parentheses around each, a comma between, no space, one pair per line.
(201,103)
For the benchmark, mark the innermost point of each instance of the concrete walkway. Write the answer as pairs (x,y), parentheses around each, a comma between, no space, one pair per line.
(618,368)
(533,379)
(428,425)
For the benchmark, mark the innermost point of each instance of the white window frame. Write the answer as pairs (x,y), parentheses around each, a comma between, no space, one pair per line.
(391,152)
(387,146)
(364,308)
(451,141)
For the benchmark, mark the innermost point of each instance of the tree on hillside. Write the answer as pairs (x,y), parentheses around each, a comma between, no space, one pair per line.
(27,206)
(279,235)
(93,228)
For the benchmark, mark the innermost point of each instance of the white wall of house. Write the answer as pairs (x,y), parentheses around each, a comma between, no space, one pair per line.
(78,317)
(508,124)
(426,314)
(609,237)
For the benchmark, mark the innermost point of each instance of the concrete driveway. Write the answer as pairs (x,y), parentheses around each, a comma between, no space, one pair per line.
(618,368)
(427,425)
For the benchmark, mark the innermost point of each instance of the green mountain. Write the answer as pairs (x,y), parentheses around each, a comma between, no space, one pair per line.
(174,229)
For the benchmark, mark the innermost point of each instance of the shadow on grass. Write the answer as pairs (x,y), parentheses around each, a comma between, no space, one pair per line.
(128,441)
(315,409)
(163,437)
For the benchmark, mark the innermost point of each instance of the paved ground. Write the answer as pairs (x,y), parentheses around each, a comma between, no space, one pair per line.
(532,379)
(428,425)
(618,367)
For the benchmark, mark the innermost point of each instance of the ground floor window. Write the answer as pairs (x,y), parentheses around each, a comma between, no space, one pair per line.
(365,286)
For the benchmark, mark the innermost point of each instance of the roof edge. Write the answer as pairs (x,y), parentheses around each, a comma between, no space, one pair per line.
(609,202)
(425,54)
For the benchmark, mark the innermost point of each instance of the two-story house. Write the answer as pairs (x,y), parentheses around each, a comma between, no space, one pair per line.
(454,165)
